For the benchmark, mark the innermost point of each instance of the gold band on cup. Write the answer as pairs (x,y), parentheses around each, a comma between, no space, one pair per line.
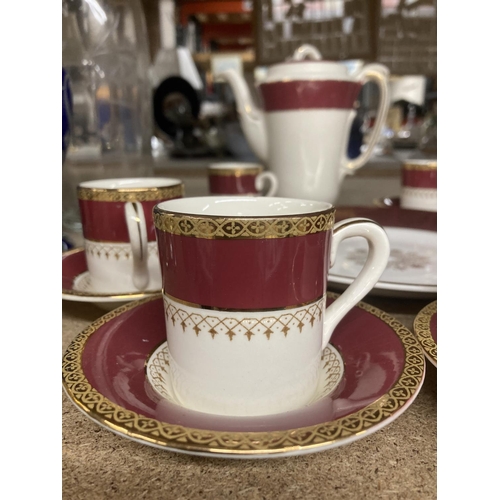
(424,165)
(236,171)
(243,228)
(131,194)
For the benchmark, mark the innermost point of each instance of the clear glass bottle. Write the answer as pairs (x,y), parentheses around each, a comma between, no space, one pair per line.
(105,54)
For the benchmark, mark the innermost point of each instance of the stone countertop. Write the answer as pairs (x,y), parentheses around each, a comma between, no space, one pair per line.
(399,461)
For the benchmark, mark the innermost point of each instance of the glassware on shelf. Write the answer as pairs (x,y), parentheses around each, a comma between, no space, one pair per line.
(105,54)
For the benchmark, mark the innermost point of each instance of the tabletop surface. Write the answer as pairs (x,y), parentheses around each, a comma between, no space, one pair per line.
(399,461)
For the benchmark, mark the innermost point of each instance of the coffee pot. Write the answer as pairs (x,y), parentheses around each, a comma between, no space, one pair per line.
(301,132)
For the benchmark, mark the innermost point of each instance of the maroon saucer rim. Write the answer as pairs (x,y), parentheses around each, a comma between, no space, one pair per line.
(235,444)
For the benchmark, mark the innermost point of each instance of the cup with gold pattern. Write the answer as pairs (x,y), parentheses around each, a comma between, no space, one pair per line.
(241,178)
(244,291)
(419,185)
(119,234)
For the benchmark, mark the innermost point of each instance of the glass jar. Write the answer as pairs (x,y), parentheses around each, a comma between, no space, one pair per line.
(105,54)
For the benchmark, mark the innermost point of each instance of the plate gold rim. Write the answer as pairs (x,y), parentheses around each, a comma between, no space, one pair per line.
(422,328)
(183,439)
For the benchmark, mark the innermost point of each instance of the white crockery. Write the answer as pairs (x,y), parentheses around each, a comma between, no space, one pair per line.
(306,145)
(261,361)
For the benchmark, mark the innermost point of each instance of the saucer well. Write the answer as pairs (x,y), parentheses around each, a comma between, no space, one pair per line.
(104,375)
(425,327)
(159,376)
(412,268)
(76,284)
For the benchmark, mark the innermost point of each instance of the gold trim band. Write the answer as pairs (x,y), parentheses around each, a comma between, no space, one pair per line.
(210,308)
(422,328)
(131,194)
(420,165)
(235,172)
(239,228)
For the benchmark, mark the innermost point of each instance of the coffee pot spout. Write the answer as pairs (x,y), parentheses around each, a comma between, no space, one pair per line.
(251,118)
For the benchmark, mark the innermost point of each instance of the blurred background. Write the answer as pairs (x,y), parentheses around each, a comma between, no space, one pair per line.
(141,95)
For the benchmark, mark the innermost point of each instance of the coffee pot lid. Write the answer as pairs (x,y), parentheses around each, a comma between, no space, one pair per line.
(307,63)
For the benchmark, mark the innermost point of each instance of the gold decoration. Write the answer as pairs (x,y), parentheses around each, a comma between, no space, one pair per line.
(235,172)
(194,322)
(422,327)
(158,368)
(243,228)
(420,165)
(115,251)
(176,437)
(131,194)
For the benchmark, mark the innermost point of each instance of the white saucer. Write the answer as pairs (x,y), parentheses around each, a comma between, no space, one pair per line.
(77,287)
(158,374)
(412,268)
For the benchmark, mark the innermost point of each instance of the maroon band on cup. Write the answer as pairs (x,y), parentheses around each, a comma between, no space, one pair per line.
(105,221)
(419,175)
(228,184)
(309,94)
(244,263)
(245,274)
(102,210)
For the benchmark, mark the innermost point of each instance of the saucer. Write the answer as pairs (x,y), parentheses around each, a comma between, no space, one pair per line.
(412,268)
(425,327)
(76,284)
(104,376)
(159,377)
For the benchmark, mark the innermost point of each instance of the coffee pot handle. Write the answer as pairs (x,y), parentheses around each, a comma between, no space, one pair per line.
(273,183)
(136,225)
(379,74)
(375,264)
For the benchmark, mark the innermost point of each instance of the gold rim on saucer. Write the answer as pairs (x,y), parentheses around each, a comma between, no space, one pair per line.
(422,327)
(233,444)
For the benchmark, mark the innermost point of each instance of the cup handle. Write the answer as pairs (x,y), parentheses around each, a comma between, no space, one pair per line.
(273,183)
(379,74)
(376,262)
(136,225)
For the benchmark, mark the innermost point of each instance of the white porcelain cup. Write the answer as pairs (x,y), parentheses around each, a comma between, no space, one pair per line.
(118,230)
(244,289)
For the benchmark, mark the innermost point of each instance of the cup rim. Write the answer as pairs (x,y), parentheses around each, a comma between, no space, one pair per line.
(173,217)
(127,183)
(169,206)
(235,168)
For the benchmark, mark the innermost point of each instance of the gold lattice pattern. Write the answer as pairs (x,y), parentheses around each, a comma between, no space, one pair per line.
(158,368)
(422,327)
(248,228)
(130,194)
(176,437)
(272,324)
(110,251)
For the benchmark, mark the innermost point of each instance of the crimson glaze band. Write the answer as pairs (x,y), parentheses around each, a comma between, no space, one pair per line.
(309,94)
(102,208)
(244,263)
(227,184)
(420,174)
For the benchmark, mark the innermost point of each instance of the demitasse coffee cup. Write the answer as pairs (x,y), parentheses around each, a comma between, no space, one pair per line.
(419,185)
(244,290)
(119,233)
(241,178)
